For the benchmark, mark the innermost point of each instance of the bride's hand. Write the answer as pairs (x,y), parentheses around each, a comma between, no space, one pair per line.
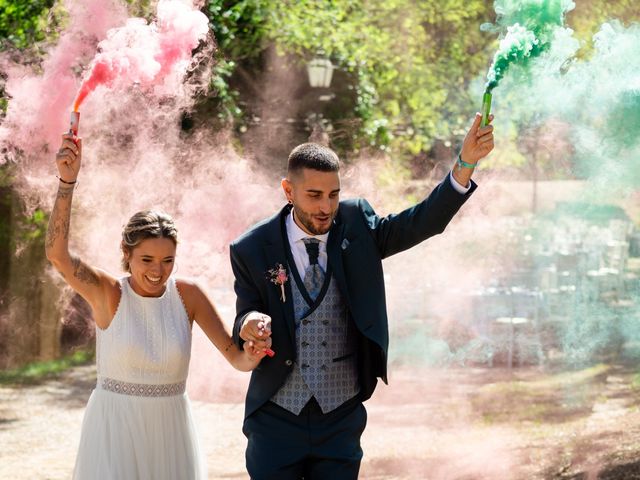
(258,349)
(68,158)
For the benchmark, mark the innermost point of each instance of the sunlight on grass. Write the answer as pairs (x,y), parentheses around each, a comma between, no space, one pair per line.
(551,398)
(560,380)
(38,371)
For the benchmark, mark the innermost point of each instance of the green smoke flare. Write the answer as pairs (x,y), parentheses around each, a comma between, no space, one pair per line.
(527,27)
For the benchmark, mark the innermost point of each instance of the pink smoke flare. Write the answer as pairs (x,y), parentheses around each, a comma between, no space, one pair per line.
(145,54)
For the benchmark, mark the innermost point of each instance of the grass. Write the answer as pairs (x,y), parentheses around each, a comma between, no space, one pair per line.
(35,372)
(559,380)
(560,397)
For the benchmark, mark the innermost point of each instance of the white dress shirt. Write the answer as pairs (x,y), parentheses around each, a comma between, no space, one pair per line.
(299,252)
(458,188)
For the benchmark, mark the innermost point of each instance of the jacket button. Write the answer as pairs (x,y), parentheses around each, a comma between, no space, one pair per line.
(305,322)
(323,343)
(305,344)
(305,365)
(325,322)
(288,363)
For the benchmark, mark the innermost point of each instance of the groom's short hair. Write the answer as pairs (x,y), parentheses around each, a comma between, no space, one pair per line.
(313,156)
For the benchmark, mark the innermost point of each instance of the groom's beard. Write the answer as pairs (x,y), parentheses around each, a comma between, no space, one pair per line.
(316,224)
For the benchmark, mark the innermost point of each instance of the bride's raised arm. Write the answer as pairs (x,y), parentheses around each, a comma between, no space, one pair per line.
(96,286)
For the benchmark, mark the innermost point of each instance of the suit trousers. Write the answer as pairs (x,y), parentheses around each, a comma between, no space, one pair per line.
(310,446)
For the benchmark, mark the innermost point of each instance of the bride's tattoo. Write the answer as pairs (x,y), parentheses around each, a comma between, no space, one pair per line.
(59,221)
(64,192)
(84,273)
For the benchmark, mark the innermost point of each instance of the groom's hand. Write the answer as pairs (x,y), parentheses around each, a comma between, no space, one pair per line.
(256,331)
(478,142)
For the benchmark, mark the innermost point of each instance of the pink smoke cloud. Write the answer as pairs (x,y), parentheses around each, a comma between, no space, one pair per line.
(41,94)
(146,53)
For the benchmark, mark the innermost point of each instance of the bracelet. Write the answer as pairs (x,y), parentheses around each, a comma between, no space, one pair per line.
(462,164)
(65,182)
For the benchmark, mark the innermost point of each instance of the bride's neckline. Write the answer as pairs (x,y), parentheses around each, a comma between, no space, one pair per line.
(137,295)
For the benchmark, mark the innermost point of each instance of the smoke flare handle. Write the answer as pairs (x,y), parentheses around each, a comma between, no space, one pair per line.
(486,108)
(74,123)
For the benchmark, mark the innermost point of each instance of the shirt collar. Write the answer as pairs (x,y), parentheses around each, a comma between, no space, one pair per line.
(295,233)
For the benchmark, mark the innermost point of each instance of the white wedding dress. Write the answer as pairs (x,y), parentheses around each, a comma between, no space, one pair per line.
(138,423)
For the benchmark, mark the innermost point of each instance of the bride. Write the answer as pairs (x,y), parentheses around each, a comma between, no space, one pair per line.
(138,422)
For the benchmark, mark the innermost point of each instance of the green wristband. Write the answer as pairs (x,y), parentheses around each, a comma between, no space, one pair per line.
(463,164)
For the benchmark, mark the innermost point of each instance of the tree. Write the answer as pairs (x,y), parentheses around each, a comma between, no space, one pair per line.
(410,63)
(23,23)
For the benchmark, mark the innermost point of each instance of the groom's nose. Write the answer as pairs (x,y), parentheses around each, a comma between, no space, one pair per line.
(325,205)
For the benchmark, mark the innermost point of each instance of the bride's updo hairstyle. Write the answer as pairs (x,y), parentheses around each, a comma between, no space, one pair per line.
(143,225)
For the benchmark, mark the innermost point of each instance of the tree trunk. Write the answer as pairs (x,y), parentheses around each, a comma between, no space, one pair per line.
(5,256)
(32,323)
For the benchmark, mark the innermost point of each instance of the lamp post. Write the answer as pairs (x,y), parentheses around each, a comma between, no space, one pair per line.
(320,71)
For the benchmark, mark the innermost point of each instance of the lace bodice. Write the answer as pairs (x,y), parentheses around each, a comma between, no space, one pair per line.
(148,340)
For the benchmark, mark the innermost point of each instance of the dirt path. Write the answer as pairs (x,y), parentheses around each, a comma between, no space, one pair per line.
(454,424)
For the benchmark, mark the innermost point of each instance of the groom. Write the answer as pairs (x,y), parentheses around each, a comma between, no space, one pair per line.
(311,278)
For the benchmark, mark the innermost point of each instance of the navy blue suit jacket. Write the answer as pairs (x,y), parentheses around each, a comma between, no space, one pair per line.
(358,241)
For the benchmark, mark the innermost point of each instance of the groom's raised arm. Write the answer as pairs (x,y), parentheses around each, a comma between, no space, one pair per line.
(401,231)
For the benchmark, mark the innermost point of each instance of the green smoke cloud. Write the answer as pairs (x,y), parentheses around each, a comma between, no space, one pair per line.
(599,98)
(527,27)
(591,104)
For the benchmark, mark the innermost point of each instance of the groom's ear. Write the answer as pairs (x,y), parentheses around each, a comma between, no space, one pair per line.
(287,186)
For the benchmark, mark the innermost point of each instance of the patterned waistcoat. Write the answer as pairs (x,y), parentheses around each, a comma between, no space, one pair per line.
(326,366)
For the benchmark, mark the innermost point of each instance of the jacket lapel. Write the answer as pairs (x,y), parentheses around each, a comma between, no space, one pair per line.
(334,255)
(275,254)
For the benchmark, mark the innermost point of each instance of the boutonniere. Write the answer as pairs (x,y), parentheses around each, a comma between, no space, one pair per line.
(278,275)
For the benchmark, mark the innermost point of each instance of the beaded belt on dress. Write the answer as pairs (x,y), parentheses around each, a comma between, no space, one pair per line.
(142,389)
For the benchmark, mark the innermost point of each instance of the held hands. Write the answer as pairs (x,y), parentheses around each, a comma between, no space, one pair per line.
(68,158)
(478,142)
(256,332)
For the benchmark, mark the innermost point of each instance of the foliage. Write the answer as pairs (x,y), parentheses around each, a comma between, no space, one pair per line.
(239,30)
(140,8)
(38,371)
(589,15)
(410,63)
(22,23)
(34,227)
(238,26)
(412,60)
(24,27)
